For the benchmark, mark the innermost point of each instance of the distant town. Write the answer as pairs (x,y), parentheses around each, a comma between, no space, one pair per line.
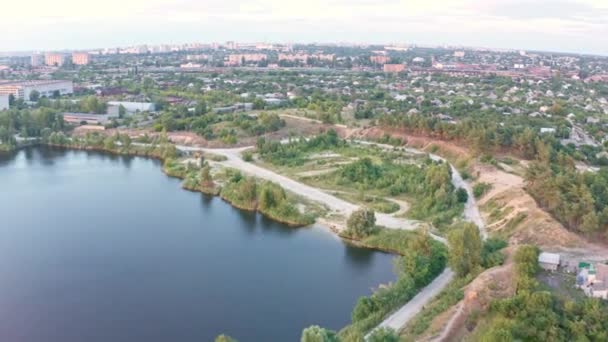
(483,171)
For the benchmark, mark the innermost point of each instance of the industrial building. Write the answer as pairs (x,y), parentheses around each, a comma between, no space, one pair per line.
(23,89)
(133,107)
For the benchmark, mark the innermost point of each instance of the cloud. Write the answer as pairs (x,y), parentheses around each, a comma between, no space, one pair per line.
(580,25)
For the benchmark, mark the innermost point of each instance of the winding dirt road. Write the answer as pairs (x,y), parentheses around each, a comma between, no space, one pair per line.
(337,205)
(402,316)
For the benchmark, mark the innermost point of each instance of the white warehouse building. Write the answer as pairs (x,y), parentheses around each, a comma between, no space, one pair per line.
(134,107)
(23,89)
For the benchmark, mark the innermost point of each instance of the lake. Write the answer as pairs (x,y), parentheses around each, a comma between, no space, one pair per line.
(96,247)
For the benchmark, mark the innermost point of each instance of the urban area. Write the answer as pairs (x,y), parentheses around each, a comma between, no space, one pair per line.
(482,170)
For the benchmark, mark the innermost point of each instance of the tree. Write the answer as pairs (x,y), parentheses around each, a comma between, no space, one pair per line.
(462,195)
(206,177)
(465,248)
(361,223)
(383,335)
(258,103)
(122,111)
(317,334)
(224,338)
(201,108)
(34,95)
(365,307)
(526,266)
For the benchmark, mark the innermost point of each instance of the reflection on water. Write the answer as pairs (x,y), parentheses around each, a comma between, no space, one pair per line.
(89,252)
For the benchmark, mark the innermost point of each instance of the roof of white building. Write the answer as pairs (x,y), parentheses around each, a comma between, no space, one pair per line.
(549,258)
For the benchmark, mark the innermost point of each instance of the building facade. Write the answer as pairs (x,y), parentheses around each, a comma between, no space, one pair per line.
(23,90)
(394,68)
(81,58)
(37,60)
(54,59)
(4,101)
(379,60)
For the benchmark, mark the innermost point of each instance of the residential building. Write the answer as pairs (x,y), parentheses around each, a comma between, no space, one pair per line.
(54,59)
(81,58)
(593,279)
(4,101)
(380,60)
(190,65)
(394,68)
(238,59)
(23,89)
(548,261)
(37,60)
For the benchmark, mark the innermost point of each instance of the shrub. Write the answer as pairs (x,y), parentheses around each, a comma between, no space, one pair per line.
(481,189)
(361,223)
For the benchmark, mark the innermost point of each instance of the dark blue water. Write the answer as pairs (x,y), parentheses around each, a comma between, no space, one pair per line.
(102,248)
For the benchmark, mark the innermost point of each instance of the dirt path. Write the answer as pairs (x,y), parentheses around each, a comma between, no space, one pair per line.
(399,318)
(471,210)
(337,205)
(409,310)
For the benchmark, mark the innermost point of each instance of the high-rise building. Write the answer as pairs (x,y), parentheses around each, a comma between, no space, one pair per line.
(4,101)
(37,60)
(54,59)
(81,58)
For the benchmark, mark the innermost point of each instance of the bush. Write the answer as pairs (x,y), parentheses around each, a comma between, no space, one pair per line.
(490,254)
(481,189)
(383,335)
(317,334)
(224,338)
(361,223)
(248,156)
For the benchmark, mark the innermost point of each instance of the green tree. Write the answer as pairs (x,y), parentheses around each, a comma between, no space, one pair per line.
(258,103)
(206,178)
(361,223)
(122,111)
(225,338)
(465,248)
(365,306)
(462,195)
(34,95)
(317,334)
(383,335)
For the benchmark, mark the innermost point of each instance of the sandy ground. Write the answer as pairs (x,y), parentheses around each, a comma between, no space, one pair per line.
(508,192)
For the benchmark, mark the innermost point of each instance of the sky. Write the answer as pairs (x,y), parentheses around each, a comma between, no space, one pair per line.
(551,25)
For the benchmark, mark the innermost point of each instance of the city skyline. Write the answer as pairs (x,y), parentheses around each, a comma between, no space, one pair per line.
(562,26)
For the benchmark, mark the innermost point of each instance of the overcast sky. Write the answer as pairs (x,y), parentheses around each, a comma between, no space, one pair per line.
(555,25)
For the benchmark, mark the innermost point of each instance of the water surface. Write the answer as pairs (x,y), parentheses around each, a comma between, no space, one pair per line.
(102,248)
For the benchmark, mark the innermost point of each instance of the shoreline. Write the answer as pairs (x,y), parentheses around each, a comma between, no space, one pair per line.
(332,227)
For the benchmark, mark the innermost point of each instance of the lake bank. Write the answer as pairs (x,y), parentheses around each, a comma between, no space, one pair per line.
(119,251)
